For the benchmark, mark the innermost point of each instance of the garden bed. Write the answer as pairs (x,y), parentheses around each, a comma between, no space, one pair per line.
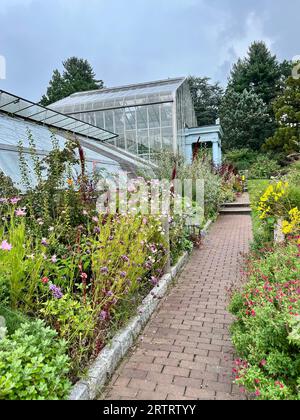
(107,361)
(267,307)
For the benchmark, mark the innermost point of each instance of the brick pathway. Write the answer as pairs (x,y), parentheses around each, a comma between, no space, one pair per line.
(185,351)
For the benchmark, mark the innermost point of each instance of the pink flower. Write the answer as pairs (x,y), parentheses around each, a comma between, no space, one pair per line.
(263,362)
(257,393)
(45,280)
(15,200)
(131,189)
(84,276)
(5,246)
(20,213)
(54,259)
(103,315)
(95,219)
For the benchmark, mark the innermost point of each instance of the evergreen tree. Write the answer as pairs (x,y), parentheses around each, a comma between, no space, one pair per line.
(78,76)
(207,98)
(260,72)
(245,119)
(287,111)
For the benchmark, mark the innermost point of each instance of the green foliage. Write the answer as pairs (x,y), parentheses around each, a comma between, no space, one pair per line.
(75,323)
(241,159)
(206,98)
(259,72)
(266,331)
(14,319)
(19,272)
(7,188)
(33,365)
(78,76)
(287,111)
(246,112)
(179,239)
(257,164)
(245,120)
(263,168)
(262,235)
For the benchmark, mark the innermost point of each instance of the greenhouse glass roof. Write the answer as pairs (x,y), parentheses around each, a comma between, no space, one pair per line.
(120,97)
(25,109)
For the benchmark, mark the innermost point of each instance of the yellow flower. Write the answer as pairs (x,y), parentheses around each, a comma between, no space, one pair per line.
(286,228)
(70,182)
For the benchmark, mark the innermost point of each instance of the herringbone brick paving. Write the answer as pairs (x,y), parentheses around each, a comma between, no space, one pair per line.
(185,351)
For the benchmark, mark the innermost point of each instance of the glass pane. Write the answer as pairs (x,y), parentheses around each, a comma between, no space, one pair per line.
(109,120)
(142,119)
(166,115)
(130,118)
(154,116)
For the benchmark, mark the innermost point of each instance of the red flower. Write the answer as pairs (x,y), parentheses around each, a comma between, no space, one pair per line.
(45,280)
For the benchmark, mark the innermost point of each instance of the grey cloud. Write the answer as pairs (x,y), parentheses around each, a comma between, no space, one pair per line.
(131,41)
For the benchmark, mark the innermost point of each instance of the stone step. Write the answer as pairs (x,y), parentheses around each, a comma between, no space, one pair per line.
(235,210)
(236,205)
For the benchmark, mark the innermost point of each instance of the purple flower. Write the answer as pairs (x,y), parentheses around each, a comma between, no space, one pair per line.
(148,265)
(103,315)
(153,249)
(3,200)
(154,280)
(109,293)
(56,291)
(111,238)
(104,270)
(5,246)
(44,242)
(125,258)
(54,259)
(97,230)
(123,274)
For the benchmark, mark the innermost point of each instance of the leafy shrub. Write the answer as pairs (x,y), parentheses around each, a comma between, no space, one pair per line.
(264,168)
(267,311)
(33,364)
(258,165)
(241,159)
(14,319)
(179,239)
(75,323)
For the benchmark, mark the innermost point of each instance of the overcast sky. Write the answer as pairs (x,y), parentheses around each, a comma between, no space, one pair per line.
(129,41)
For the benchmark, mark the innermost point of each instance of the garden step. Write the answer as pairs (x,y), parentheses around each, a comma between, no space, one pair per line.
(235,210)
(236,205)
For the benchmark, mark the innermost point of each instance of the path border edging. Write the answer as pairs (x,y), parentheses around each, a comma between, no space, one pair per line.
(112,354)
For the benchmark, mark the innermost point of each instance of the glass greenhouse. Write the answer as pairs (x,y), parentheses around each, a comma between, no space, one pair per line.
(148,117)
(19,116)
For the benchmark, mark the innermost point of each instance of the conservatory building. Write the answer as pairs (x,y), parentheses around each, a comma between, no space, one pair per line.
(148,117)
(21,120)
